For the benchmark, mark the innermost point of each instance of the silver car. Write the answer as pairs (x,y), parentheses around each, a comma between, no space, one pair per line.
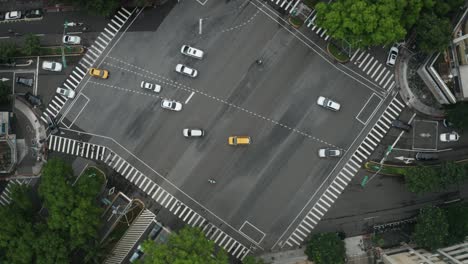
(151,86)
(52,66)
(392,55)
(330,152)
(193,132)
(73,40)
(66,92)
(180,68)
(328,103)
(171,105)
(192,52)
(449,137)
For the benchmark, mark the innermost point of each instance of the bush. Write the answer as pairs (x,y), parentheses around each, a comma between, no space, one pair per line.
(337,53)
(296,21)
(326,248)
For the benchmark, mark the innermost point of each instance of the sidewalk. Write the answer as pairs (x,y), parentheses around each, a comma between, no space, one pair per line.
(295,256)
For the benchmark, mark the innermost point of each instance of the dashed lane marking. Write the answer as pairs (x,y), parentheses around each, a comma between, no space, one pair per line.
(188,89)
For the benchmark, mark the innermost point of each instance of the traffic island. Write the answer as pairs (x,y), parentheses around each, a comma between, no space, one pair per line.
(295,21)
(337,53)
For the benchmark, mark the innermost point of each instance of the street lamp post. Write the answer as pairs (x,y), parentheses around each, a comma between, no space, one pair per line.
(64,61)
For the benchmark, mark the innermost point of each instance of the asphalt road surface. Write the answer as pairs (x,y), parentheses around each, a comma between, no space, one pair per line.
(262,187)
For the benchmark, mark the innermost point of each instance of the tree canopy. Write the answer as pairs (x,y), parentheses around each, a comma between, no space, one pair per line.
(368,23)
(32,45)
(457,114)
(326,248)
(68,222)
(188,246)
(433,33)
(432,228)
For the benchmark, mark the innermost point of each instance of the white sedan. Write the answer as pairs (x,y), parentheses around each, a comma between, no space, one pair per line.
(151,86)
(328,103)
(171,105)
(180,68)
(449,137)
(330,152)
(74,40)
(392,55)
(193,132)
(13,15)
(52,66)
(192,52)
(66,92)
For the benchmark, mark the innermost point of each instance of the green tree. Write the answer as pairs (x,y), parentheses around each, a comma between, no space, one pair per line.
(326,248)
(32,45)
(5,93)
(84,221)
(7,50)
(365,23)
(433,33)
(457,114)
(422,179)
(457,217)
(252,260)
(57,192)
(100,7)
(188,246)
(452,173)
(51,247)
(431,231)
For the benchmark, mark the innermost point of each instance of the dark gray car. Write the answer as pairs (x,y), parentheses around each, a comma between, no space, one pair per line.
(401,125)
(25,81)
(426,156)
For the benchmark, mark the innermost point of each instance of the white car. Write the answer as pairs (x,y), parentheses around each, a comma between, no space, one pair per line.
(13,15)
(52,66)
(193,132)
(180,68)
(171,105)
(66,92)
(392,55)
(330,152)
(151,86)
(74,40)
(449,137)
(192,52)
(328,103)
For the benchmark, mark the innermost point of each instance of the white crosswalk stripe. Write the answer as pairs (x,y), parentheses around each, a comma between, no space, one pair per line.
(5,196)
(88,60)
(344,176)
(120,165)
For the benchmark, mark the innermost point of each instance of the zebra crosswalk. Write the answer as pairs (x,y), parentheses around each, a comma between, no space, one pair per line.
(310,23)
(133,234)
(153,190)
(5,198)
(288,5)
(87,61)
(377,71)
(347,172)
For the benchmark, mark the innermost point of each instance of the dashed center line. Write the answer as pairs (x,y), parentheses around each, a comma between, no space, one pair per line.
(177,85)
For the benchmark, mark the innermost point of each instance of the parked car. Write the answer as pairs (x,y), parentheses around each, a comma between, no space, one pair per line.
(426,156)
(171,105)
(2,16)
(330,152)
(52,66)
(13,15)
(449,137)
(392,56)
(34,13)
(151,86)
(66,92)
(192,52)
(100,73)
(73,40)
(239,140)
(328,103)
(180,68)
(25,81)
(401,125)
(193,132)
(33,100)
(447,123)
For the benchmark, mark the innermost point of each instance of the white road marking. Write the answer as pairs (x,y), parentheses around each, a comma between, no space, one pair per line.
(190,97)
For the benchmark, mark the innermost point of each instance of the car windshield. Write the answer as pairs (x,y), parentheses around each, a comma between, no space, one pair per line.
(172,105)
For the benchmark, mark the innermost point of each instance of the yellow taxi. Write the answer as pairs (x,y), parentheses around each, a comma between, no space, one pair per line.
(100,73)
(239,140)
